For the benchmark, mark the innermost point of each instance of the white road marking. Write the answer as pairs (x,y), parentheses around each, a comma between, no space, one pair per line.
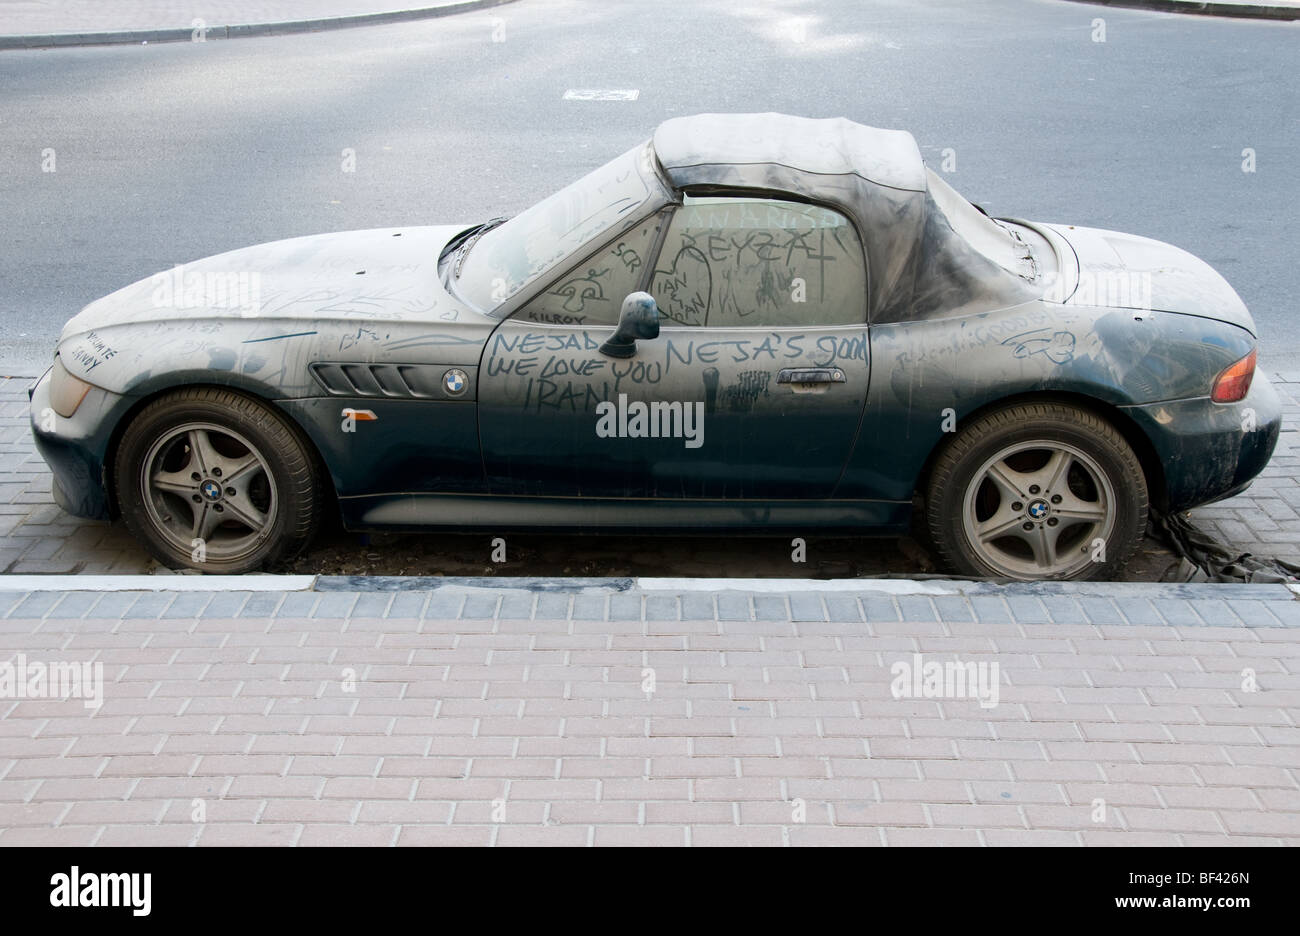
(601,94)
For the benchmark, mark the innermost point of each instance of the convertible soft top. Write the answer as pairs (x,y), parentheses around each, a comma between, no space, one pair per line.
(699,147)
(918,267)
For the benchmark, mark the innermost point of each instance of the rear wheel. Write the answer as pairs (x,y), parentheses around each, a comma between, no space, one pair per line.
(1037,491)
(213,480)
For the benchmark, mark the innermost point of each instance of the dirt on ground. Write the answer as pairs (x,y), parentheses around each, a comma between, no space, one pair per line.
(606,555)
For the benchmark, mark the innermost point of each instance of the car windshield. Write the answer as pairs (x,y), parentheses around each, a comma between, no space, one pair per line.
(995,241)
(507,258)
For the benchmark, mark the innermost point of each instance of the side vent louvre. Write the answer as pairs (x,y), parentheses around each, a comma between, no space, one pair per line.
(394,381)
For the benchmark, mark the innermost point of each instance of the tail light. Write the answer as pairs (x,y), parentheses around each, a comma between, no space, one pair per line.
(1234,383)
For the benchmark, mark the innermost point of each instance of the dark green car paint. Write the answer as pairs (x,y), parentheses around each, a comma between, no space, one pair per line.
(945,334)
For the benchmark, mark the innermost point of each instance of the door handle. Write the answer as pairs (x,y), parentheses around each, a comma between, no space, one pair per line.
(810,375)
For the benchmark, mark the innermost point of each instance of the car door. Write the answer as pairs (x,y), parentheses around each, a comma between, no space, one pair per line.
(754,388)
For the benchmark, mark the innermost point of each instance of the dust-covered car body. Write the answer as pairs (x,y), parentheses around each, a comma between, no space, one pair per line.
(831,309)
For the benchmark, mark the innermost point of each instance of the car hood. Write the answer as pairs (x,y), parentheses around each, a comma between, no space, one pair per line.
(386,274)
(260,316)
(1124,271)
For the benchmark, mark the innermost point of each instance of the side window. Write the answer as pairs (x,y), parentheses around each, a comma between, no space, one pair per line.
(730,262)
(592,293)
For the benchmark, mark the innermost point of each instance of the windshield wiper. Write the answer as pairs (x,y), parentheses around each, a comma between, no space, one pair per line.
(472,240)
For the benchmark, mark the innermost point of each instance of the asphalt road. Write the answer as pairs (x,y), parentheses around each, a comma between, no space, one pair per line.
(165,153)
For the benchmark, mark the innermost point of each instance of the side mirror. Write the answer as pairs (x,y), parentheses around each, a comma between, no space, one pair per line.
(639,318)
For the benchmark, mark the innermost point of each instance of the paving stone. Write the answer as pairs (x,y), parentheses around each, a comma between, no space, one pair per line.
(36,604)
(1026,609)
(661,608)
(152,605)
(733,607)
(1176,611)
(1138,611)
(697,607)
(1064,610)
(73,604)
(843,609)
(917,608)
(589,608)
(295,605)
(517,607)
(480,606)
(807,607)
(371,605)
(447,604)
(228,604)
(625,608)
(407,605)
(954,609)
(880,608)
(769,608)
(261,605)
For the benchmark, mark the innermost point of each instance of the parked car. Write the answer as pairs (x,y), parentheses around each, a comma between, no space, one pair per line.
(751,322)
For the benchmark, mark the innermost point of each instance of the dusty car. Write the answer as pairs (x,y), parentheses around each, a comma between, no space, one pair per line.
(751,321)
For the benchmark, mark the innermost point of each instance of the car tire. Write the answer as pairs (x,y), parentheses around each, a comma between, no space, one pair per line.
(216,481)
(1037,491)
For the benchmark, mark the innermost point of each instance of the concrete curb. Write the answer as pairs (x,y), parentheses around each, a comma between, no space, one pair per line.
(1268,11)
(644,586)
(884,587)
(185,34)
(157,583)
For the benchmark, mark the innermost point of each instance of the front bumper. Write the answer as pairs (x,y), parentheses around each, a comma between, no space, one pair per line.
(75,447)
(1210,451)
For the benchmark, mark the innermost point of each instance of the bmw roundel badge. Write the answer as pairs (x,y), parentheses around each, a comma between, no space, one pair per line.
(455,381)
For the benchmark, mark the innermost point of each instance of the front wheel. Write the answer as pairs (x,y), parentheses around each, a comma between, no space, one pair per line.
(1037,491)
(213,480)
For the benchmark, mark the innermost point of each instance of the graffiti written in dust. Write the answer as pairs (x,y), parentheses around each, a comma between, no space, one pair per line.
(390,304)
(685,289)
(92,352)
(554,318)
(1056,346)
(928,349)
(996,329)
(821,350)
(733,260)
(563,371)
(741,396)
(567,371)
(361,336)
(631,259)
(579,290)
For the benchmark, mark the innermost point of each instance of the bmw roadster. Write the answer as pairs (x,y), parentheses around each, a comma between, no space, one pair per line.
(751,321)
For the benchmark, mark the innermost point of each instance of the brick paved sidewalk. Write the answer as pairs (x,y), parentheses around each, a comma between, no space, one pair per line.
(515,716)
(37,537)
